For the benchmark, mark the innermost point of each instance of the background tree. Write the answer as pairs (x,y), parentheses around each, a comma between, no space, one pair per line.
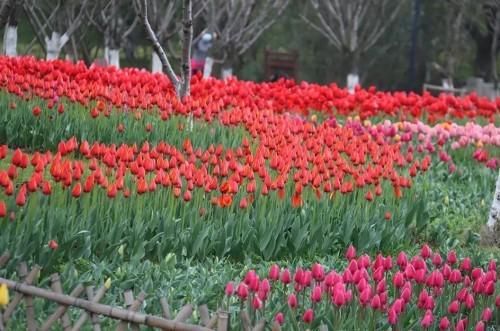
(237,24)
(8,19)
(165,20)
(353,27)
(492,9)
(54,22)
(115,21)
(181,84)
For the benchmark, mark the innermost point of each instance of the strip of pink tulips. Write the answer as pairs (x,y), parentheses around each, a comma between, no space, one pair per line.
(428,291)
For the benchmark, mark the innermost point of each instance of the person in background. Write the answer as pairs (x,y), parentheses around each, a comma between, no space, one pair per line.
(200,53)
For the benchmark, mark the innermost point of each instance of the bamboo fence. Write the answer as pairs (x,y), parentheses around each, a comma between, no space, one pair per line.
(129,318)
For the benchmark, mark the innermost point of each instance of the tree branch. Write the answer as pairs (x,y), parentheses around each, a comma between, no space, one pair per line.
(167,67)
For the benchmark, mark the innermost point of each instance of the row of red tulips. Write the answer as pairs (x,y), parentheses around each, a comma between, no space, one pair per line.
(133,88)
(429,289)
(341,167)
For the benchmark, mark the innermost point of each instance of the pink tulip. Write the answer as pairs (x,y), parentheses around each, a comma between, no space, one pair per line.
(285,277)
(451,258)
(427,320)
(487,314)
(308,316)
(229,289)
(242,291)
(274,272)
(425,252)
(454,307)
(316,294)
(351,253)
(318,272)
(279,318)
(444,324)
(480,326)
(292,301)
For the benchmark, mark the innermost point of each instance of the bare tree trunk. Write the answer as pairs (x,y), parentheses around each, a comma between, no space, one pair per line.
(10,40)
(353,75)
(494,46)
(10,33)
(495,207)
(187,28)
(54,45)
(112,56)
(5,11)
(155,63)
(207,68)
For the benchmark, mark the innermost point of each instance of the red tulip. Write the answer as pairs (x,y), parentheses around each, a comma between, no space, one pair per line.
(53,245)
(3,209)
(77,190)
(37,111)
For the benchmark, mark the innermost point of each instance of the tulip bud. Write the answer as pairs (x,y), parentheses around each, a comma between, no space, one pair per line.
(316,294)
(425,252)
(452,258)
(229,289)
(476,273)
(427,320)
(466,264)
(279,318)
(242,291)
(398,279)
(454,307)
(437,260)
(480,326)
(492,266)
(487,314)
(318,272)
(256,303)
(274,272)
(351,253)
(461,325)
(308,316)
(375,302)
(469,302)
(392,317)
(292,301)
(53,245)
(285,277)
(444,324)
